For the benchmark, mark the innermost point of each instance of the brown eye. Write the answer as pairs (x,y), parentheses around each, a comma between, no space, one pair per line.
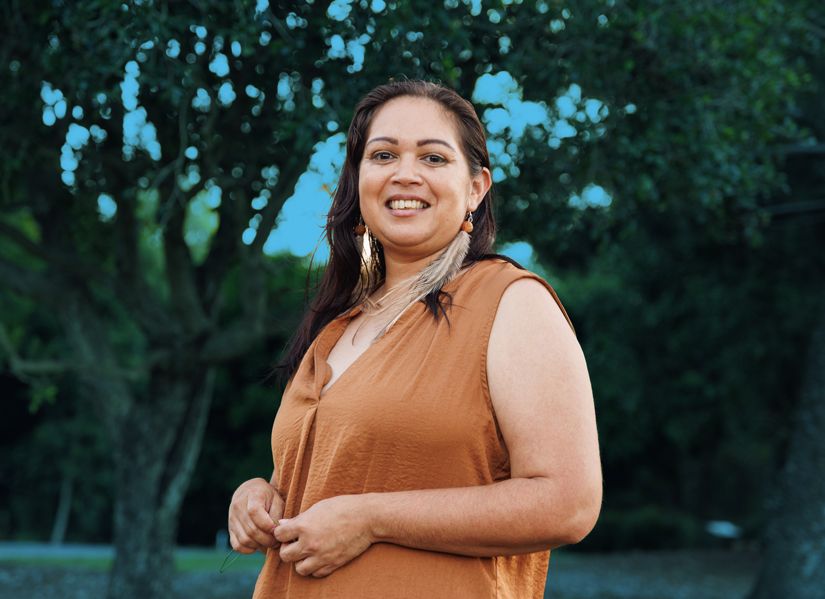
(381,156)
(438,159)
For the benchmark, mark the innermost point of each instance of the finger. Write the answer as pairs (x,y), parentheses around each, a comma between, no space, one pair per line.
(292,552)
(238,540)
(258,514)
(237,545)
(248,535)
(307,566)
(286,530)
(276,510)
(246,544)
(325,571)
(255,536)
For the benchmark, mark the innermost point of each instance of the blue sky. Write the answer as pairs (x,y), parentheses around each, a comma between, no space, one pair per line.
(507,117)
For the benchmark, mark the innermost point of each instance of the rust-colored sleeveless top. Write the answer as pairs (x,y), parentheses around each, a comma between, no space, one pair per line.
(412,412)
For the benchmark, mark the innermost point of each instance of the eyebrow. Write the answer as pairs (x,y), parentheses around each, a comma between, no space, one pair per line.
(420,142)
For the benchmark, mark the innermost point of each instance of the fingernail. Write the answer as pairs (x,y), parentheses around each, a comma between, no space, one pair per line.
(282,521)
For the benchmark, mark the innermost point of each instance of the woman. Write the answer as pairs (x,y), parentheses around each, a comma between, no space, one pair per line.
(437,434)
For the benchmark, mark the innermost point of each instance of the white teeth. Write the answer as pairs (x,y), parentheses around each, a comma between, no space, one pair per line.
(407,204)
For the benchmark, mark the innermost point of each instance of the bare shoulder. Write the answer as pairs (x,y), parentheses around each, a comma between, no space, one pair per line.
(529,317)
(537,377)
(531,344)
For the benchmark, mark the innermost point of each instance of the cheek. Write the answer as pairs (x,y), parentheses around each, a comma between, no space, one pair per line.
(460,200)
(369,183)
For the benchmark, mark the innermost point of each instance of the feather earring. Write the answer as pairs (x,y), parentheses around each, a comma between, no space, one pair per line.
(368,268)
(433,277)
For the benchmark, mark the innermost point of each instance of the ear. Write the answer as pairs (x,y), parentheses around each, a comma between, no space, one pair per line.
(479,186)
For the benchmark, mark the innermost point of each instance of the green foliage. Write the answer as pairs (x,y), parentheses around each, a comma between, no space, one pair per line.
(695,355)
(199,226)
(237,440)
(700,96)
(39,450)
(647,527)
(63,438)
(666,285)
(41,395)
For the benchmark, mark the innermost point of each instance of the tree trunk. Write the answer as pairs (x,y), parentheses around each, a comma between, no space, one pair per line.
(794,542)
(64,508)
(155,454)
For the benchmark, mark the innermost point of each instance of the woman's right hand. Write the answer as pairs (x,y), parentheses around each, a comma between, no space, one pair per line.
(255,510)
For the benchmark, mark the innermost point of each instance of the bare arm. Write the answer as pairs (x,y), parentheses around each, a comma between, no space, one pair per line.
(541,394)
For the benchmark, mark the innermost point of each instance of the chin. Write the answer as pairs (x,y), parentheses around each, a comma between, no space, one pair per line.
(418,244)
(405,242)
(404,236)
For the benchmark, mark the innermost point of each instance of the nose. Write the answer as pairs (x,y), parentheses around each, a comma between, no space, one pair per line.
(406,170)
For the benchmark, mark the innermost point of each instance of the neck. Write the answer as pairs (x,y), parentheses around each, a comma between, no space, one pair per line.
(440,267)
(398,268)
(426,274)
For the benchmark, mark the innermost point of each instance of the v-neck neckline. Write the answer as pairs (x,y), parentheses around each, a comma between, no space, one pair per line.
(342,322)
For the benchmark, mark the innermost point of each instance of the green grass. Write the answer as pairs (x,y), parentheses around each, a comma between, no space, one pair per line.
(210,561)
(200,560)
(186,560)
(99,564)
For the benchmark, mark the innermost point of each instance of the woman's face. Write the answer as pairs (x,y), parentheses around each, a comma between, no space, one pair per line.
(414,181)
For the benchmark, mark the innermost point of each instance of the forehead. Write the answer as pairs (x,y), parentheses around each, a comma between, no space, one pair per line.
(410,118)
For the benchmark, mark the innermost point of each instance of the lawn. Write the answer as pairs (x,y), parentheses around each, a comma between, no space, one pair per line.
(82,573)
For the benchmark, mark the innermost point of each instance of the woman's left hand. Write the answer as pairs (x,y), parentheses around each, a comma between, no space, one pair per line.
(328,535)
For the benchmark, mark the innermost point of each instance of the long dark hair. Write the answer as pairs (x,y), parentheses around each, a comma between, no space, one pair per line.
(343,271)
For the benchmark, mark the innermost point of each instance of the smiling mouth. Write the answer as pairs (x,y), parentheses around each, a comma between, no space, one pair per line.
(407,205)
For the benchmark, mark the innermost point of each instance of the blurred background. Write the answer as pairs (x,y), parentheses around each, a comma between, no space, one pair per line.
(165,171)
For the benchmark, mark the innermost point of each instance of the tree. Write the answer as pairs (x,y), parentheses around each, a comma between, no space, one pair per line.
(176,155)
(181,150)
(794,538)
(715,94)
(709,146)
(142,301)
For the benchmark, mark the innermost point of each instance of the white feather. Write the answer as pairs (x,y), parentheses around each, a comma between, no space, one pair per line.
(434,276)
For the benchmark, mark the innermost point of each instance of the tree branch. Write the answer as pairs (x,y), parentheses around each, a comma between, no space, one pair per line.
(90,345)
(176,165)
(28,370)
(238,338)
(22,368)
(64,263)
(223,251)
(283,189)
(182,457)
(253,295)
(127,285)
(180,275)
(23,242)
